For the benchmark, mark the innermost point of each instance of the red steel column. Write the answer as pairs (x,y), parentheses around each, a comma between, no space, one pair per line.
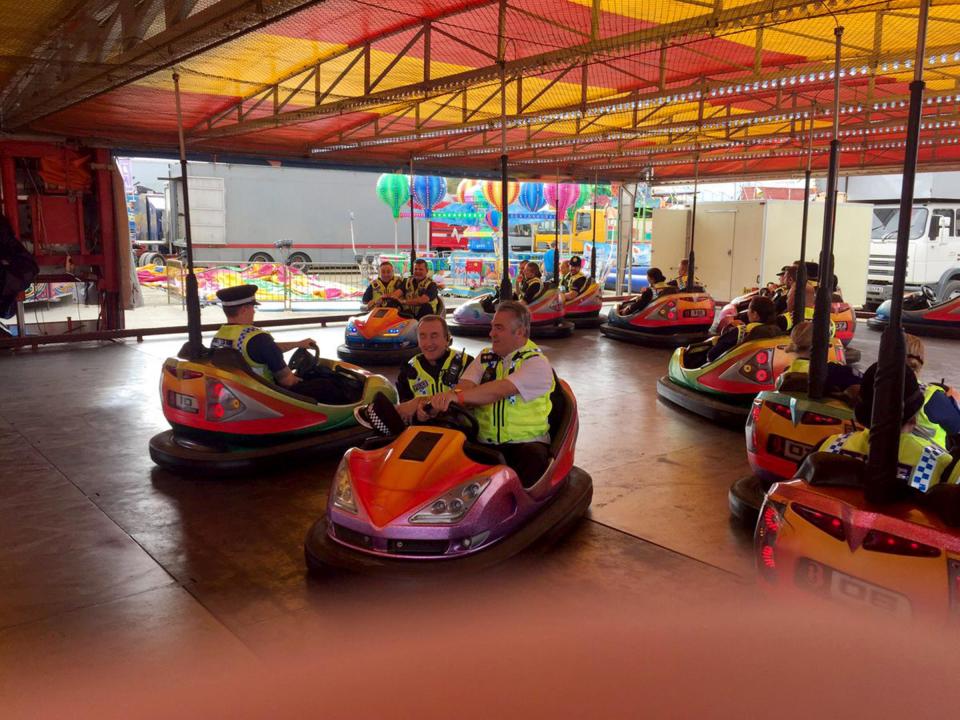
(113,315)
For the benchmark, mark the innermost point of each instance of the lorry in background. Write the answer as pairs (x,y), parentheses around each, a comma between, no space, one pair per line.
(261,213)
(934,253)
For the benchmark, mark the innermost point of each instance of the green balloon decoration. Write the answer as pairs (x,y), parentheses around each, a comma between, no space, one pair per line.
(394,190)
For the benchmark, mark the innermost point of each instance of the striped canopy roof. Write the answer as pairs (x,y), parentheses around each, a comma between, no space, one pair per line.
(584,88)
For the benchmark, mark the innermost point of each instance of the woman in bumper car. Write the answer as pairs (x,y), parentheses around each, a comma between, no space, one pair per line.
(532,286)
(762,323)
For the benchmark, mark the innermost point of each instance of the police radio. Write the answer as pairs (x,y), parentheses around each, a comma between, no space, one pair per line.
(451,376)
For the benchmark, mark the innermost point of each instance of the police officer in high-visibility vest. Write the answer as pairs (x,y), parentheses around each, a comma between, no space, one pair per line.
(385,285)
(840,378)
(520,281)
(680,282)
(939,418)
(532,287)
(263,354)
(508,387)
(421,295)
(437,367)
(921,462)
(656,285)
(575,281)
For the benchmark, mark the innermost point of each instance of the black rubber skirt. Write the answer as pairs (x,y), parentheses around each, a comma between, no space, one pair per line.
(188,455)
(667,340)
(562,329)
(364,356)
(745,498)
(926,329)
(708,406)
(553,522)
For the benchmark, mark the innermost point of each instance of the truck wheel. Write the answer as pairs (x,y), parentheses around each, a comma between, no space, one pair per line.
(950,290)
(298,258)
(261,257)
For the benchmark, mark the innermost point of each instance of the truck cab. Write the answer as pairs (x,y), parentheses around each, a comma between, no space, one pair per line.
(582,231)
(934,255)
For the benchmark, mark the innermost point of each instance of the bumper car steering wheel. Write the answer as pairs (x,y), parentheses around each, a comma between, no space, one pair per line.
(456,417)
(302,362)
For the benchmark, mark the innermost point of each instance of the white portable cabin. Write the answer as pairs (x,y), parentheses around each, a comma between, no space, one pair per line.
(743,244)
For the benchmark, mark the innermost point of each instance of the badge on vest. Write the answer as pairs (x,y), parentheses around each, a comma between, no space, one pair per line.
(420,386)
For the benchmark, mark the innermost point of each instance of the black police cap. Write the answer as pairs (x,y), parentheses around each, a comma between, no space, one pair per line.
(238,295)
(576,260)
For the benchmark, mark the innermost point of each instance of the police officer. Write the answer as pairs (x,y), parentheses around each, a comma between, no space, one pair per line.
(656,285)
(921,462)
(437,367)
(574,282)
(532,283)
(509,387)
(263,354)
(385,285)
(420,293)
(680,282)
(939,418)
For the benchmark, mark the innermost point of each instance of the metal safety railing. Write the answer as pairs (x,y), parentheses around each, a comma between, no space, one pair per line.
(299,286)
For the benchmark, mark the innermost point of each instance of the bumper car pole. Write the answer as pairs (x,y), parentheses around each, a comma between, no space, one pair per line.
(882,483)
(193,350)
(821,313)
(799,308)
(506,287)
(413,227)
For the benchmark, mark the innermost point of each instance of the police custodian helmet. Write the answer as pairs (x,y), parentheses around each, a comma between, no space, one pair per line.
(237,296)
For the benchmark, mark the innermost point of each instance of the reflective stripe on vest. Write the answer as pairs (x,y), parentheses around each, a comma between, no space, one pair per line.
(927,427)
(799,365)
(416,289)
(236,337)
(380,288)
(424,384)
(566,283)
(920,464)
(513,419)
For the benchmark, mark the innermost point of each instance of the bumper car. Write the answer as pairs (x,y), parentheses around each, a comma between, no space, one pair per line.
(433,500)
(723,390)
(817,537)
(473,319)
(668,321)
(584,310)
(224,417)
(384,336)
(842,316)
(783,427)
(923,315)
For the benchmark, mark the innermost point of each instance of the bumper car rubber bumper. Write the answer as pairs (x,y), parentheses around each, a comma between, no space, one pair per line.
(561,329)
(745,499)
(708,406)
(928,329)
(553,522)
(468,330)
(371,356)
(585,322)
(176,452)
(667,340)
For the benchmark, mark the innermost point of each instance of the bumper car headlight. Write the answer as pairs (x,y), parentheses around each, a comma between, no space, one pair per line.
(453,505)
(343,488)
(351,329)
(394,330)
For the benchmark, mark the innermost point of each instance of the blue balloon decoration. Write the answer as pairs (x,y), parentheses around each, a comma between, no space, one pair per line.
(429,190)
(531,196)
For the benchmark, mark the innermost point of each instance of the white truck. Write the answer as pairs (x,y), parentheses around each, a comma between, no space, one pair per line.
(934,255)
